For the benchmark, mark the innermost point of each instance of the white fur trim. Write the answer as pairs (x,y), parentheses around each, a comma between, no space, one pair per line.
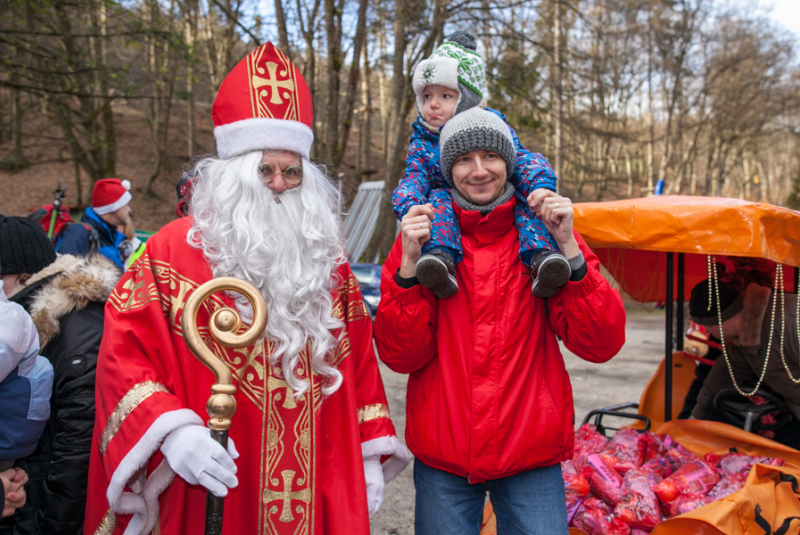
(144,504)
(113,207)
(388,445)
(445,73)
(262,133)
(157,483)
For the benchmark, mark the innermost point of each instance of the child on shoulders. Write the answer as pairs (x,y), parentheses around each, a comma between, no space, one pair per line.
(453,80)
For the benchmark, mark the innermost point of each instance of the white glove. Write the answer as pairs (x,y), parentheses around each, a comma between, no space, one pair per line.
(373,473)
(200,460)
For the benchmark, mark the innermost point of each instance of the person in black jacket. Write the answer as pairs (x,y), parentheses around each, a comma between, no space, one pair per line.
(66,300)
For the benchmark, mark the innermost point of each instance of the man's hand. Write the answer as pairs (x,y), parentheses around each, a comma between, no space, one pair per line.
(416,230)
(14,484)
(557,214)
(200,460)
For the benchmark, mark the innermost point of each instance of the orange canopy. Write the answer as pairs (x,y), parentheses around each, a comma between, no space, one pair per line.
(631,237)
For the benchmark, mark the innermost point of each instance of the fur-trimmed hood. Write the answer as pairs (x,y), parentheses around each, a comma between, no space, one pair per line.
(72,283)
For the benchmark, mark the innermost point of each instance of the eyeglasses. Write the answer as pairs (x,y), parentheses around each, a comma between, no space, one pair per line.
(292,175)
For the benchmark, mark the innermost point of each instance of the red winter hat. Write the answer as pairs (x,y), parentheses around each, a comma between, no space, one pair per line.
(109,195)
(264,103)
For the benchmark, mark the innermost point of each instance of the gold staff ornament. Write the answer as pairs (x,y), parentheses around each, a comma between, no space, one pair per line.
(223,324)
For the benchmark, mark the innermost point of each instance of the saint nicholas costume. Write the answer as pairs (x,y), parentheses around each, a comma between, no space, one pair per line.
(300,467)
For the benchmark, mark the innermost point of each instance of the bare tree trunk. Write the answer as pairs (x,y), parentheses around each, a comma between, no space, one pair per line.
(365,144)
(283,35)
(17,158)
(106,113)
(352,85)
(335,60)
(557,86)
(629,172)
(162,76)
(383,89)
(190,33)
(403,100)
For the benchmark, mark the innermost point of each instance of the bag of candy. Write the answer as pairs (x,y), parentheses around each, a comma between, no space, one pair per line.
(587,442)
(694,476)
(727,486)
(685,503)
(594,517)
(734,463)
(659,466)
(664,446)
(604,480)
(573,481)
(626,450)
(638,506)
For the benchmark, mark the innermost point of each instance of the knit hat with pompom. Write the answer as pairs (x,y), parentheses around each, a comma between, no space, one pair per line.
(457,65)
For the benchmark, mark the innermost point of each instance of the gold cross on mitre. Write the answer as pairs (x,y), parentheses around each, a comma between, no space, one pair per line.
(271,81)
(287,496)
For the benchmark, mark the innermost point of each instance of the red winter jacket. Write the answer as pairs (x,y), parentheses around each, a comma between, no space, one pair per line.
(488,395)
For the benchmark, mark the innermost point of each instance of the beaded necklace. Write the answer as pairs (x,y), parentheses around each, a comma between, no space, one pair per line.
(779,281)
(712,272)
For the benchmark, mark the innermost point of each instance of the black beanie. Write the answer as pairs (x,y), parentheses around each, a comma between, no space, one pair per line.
(731,302)
(24,246)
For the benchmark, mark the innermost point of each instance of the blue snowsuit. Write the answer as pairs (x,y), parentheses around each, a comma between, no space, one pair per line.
(423,182)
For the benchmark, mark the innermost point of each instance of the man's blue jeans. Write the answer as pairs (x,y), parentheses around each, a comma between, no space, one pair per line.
(529,503)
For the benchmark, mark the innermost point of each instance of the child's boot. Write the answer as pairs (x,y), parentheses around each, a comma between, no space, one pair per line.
(436,270)
(550,271)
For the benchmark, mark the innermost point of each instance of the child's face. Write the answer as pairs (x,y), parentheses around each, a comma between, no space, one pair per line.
(439,104)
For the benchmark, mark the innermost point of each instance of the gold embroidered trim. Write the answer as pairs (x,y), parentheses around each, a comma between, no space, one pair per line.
(107,525)
(126,405)
(372,412)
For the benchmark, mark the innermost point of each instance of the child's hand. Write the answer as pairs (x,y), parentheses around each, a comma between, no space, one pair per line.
(14,484)
(416,230)
(556,213)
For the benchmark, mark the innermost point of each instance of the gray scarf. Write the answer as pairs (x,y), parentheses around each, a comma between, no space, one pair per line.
(508,192)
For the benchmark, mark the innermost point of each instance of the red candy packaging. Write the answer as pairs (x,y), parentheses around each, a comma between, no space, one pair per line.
(733,463)
(727,486)
(595,518)
(685,503)
(630,484)
(576,488)
(659,466)
(587,442)
(626,450)
(604,480)
(694,476)
(639,507)
(573,481)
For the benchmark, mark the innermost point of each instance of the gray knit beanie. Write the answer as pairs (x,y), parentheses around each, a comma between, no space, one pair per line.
(475,129)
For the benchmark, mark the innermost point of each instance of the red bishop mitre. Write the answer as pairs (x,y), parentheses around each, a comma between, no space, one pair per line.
(109,195)
(264,103)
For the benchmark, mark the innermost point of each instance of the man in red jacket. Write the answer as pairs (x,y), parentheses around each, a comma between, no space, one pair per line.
(489,401)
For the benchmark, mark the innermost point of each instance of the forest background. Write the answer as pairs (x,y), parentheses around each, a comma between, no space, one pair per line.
(703,95)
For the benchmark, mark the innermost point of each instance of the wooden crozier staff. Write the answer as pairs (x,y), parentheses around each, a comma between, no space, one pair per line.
(223,324)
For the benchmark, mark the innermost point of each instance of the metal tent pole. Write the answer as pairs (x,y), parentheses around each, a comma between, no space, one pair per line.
(797,283)
(679,304)
(668,345)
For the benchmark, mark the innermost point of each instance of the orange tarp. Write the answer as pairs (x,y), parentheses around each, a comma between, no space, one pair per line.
(631,237)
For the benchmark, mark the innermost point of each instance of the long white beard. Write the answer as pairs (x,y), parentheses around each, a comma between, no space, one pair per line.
(288,249)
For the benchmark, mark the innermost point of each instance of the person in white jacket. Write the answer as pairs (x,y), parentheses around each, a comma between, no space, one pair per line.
(26,378)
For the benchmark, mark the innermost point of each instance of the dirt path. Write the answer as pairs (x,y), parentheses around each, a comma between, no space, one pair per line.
(595,386)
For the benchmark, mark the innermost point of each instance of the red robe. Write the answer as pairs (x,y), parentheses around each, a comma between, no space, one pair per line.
(300,468)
